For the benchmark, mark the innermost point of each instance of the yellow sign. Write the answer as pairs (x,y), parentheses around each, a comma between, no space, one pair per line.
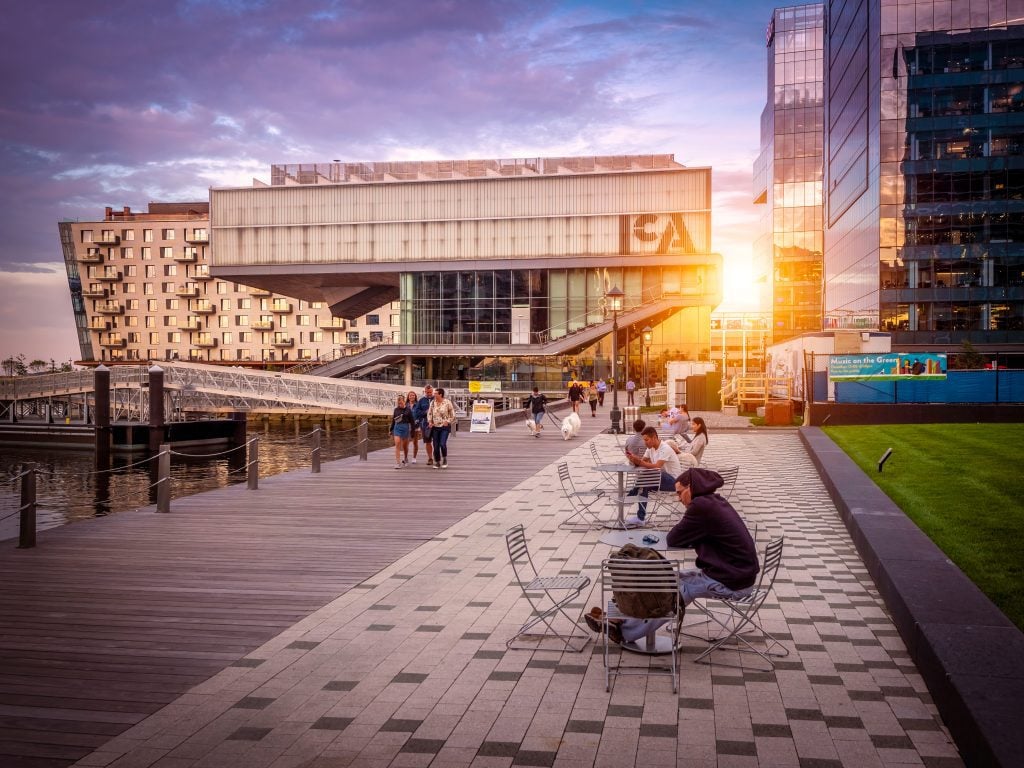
(484,386)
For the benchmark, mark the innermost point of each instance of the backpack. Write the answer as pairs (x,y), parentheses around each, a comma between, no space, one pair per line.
(643,605)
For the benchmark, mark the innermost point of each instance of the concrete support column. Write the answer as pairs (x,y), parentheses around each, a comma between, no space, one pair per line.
(408,370)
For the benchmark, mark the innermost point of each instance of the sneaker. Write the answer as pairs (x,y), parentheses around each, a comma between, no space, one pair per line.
(437,465)
(444,463)
(403,462)
(430,462)
(398,466)
(413,460)
(635,522)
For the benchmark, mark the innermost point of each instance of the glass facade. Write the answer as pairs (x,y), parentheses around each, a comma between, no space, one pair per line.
(940,220)
(788,178)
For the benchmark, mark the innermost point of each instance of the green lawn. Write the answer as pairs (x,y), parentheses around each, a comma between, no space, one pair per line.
(963,484)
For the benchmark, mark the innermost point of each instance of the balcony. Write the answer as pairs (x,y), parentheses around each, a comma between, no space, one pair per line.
(204,308)
(281,308)
(92,256)
(258,292)
(99,325)
(263,325)
(204,341)
(95,292)
(108,239)
(282,342)
(193,324)
(186,257)
(334,324)
(111,276)
(198,237)
(114,342)
(202,273)
(110,308)
(187,291)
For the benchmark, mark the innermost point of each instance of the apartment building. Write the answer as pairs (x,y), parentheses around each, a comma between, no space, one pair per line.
(141,290)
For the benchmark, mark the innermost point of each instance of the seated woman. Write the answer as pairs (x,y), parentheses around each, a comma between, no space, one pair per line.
(698,442)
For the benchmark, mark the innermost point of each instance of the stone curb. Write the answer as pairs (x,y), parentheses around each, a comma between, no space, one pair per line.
(969,654)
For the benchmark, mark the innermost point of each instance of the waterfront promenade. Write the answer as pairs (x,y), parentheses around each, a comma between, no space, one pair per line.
(360,617)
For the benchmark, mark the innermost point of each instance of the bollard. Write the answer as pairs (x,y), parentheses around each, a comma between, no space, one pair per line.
(363,435)
(316,450)
(27,523)
(254,464)
(163,479)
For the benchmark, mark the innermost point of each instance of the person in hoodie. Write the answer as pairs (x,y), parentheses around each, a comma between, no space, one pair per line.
(727,563)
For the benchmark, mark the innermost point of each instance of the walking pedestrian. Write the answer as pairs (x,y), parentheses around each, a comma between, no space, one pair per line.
(440,416)
(592,398)
(575,395)
(630,389)
(419,413)
(401,429)
(536,404)
(417,433)
(602,387)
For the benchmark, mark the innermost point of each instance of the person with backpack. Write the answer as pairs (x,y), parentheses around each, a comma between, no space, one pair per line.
(727,564)
(537,405)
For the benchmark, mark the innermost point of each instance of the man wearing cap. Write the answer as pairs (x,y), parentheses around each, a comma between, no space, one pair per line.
(726,556)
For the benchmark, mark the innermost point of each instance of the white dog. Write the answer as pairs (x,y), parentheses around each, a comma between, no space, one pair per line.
(531,425)
(570,426)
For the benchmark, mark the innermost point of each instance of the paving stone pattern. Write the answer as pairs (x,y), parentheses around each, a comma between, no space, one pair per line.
(411,669)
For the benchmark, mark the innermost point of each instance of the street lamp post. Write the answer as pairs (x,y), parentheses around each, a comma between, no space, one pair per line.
(647,362)
(614,297)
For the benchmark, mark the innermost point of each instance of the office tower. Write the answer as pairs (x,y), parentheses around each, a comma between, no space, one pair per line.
(924,174)
(788,172)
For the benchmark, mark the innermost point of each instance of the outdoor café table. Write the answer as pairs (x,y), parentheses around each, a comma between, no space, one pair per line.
(658,643)
(622,469)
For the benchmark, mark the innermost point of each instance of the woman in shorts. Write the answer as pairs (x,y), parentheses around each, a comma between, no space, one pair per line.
(401,429)
(417,434)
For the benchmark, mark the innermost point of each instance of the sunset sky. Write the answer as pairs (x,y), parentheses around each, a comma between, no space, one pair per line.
(123,102)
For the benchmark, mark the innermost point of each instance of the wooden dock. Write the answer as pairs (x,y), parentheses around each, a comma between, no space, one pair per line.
(108,620)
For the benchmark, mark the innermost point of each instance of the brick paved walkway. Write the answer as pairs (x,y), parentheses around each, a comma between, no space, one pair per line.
(410,668)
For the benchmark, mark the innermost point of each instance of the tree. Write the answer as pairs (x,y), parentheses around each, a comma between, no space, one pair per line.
(15,365)
(969,357)
(37,366)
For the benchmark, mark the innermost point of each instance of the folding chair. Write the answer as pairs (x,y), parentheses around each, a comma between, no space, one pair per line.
(738,621)
(609,478)
(580,501)
(729,476)
(620,575)
(650,481)
(559,591)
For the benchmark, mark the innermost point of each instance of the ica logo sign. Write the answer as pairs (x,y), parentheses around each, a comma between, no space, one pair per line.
(660,233)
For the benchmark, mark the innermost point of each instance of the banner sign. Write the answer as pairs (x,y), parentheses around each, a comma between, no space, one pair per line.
(484,386)
(482,416)
(888,366)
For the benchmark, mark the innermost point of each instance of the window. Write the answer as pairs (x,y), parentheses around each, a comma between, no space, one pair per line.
(241,320)
(245,303)
(147,235)
(225,304)
(153,305)
(226,337)
(377,336)
(131,270)
(170,321)
(132,304)
(316,336)
(130,287)
(353,323)
(128,234)
(245,337)
(302,320)
(147,288)
(127,253)
(172,303)
(147,253)
(224,321)
(170,270)
(150,270)
(373,319)
(86,235)
(154,336)
(151,323)
(131,322)
(222,288)
(167,234)
(167,287)
(352,337)
(395,320)
(174,337)
(166,252)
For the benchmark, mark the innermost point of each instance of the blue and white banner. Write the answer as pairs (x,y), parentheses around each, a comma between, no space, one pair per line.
(888,366)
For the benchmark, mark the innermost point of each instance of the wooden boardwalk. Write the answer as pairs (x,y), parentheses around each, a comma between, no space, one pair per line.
(108,620)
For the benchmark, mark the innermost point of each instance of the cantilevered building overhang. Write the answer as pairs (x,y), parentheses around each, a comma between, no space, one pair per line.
(486,256)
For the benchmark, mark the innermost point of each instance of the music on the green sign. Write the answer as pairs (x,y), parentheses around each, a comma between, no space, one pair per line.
(888,366)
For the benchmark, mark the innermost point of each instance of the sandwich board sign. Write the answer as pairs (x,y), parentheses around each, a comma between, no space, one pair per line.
(481,417)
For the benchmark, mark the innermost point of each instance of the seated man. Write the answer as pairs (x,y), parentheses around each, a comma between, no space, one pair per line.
(635,442)
(673,423)
(726,556)
(658,455)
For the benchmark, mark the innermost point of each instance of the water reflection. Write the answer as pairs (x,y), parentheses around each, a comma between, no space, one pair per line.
(71,485)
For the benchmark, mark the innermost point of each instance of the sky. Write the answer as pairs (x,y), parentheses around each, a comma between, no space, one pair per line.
(124,102)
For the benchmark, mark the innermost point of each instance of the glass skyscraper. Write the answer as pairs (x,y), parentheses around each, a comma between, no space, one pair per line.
(788,171)
(924,131)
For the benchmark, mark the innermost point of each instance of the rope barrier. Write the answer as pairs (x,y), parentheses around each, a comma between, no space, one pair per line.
(51,473)
(209,455)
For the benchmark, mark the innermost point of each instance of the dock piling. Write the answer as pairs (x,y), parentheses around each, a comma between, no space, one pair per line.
(254,464)
(316,450)
(27,521)
(163,489)
(363,434)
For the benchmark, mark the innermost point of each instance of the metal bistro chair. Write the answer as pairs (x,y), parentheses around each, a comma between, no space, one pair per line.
(609,478)
(620,575)
(559,591)
(649,480)
(739,621)
(580,501)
